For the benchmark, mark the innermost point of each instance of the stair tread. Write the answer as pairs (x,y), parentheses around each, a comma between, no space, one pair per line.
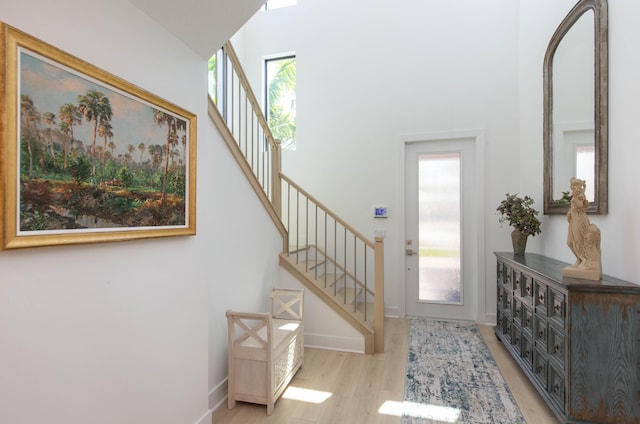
(312,263)
(307,264)
(369,307)
(351,294)
(331,278)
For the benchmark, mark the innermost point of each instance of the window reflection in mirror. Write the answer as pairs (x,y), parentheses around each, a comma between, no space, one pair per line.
(574,156)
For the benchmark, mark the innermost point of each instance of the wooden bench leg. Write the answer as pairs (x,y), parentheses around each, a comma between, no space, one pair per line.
(231,402)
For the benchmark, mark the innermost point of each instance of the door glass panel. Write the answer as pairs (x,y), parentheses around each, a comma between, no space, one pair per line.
(439,204)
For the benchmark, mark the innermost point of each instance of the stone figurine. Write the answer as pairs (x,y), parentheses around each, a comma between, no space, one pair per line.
(583,238)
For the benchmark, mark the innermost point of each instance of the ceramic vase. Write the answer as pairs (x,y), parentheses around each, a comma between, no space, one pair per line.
(519,241)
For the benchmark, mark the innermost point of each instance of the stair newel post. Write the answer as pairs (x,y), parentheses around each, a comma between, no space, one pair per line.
(344,262)
(315,239)
(276,185)
(379,295)
(326,249)
(355,273)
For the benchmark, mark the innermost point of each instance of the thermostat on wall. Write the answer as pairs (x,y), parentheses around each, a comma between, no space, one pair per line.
(380,212)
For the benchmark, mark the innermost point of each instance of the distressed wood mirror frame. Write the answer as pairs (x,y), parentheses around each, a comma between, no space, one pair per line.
(599,204)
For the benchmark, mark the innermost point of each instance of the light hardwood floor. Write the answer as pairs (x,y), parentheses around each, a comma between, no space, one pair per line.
(363,389)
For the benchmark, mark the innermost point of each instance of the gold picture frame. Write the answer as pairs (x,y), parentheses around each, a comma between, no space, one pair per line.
(85,156)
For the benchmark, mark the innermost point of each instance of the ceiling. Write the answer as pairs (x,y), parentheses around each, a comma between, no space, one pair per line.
(203,25)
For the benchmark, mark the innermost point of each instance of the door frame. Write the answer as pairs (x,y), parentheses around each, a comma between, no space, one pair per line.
(479,264)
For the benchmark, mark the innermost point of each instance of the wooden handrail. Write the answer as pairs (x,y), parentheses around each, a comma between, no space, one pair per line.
(328,211)
(244,81)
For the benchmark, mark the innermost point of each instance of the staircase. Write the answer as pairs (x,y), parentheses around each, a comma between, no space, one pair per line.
(328,256)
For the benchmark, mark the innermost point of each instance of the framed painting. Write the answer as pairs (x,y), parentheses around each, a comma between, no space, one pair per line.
(86,157)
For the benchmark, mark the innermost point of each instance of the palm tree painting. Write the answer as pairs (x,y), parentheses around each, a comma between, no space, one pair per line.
(81,162)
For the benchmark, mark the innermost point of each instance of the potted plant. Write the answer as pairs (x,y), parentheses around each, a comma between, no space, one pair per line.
(521,215)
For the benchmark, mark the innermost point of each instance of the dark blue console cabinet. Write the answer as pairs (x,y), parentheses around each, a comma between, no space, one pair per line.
(577,340)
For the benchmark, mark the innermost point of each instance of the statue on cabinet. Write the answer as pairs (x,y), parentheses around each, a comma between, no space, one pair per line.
(583,238)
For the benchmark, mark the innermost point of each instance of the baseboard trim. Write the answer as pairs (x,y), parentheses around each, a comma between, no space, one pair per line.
(218,394)
(345,344)
(392,311)
(490,319)
(206,418)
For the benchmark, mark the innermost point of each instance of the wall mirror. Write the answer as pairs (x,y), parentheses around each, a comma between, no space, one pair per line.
(576,108)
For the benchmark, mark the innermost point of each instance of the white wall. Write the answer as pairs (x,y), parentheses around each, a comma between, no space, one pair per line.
(620,227)
(132,332)
(371,72)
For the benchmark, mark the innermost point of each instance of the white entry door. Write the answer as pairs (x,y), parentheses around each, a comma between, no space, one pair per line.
(441,211)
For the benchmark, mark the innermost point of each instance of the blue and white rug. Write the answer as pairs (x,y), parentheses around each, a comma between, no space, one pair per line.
(452,377)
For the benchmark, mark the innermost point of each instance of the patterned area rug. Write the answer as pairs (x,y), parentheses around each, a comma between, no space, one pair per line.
(452,377)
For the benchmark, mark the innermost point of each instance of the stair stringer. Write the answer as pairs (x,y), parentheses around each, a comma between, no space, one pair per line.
(341,310)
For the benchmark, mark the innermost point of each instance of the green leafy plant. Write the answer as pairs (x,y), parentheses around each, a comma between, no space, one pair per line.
(520,214)
(564,200)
